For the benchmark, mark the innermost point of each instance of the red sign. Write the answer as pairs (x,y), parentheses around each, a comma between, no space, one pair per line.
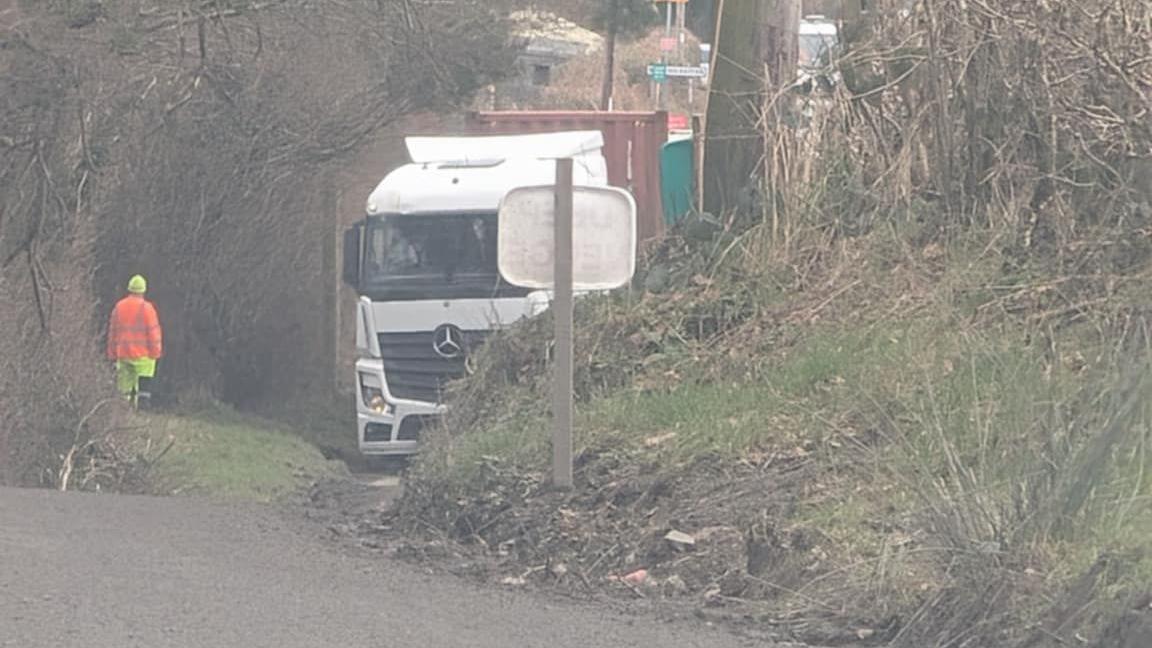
(667,43)
(677,121)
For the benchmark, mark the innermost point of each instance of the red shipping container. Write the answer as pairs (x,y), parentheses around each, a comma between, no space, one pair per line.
(632,143)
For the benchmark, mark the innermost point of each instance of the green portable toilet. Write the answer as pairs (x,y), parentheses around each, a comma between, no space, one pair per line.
(677,178)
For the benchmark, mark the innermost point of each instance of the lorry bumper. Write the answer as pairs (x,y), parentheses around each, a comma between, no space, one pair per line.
(393,434)
(386,425)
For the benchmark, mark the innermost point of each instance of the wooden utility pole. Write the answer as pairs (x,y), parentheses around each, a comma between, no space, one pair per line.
(608,79)
(663,89)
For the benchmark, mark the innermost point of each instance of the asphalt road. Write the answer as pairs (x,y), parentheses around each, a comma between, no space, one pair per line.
(103,571)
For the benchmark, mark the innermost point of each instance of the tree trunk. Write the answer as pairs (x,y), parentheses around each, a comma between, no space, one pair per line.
(609,59)
(779,41)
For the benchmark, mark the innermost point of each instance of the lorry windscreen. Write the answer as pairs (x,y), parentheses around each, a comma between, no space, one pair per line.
(432,256)
(816,50)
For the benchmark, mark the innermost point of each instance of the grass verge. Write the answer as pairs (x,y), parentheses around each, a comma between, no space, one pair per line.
(901,455)
(221,453)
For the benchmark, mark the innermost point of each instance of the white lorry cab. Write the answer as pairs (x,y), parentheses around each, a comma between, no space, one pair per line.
(819,41)
(423,262)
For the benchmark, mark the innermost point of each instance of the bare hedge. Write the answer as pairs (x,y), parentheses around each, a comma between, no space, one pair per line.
(195,143)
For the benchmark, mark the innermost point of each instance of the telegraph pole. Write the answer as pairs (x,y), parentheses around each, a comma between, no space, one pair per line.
(662,89)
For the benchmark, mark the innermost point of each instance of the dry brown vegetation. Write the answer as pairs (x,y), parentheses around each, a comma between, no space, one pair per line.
(578,80)
(899,394)
(1028,118)
(195,143)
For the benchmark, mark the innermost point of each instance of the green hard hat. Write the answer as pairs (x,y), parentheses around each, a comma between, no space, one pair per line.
(137,284)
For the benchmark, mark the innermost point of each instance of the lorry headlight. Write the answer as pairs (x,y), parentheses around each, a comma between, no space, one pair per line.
(378,405)
(374,400)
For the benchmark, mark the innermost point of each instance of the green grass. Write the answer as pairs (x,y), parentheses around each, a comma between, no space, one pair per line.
(978,436)
(780,404)
(227,455)
(329,424)
(956,442)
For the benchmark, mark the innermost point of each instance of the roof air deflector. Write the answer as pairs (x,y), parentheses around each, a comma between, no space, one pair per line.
(472,150)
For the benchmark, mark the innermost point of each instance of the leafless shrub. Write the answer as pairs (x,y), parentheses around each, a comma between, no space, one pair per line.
(1023,126)
(1031,118)
(579,80)
(196,144)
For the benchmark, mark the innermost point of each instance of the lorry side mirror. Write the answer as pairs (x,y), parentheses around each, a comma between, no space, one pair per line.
(352,237)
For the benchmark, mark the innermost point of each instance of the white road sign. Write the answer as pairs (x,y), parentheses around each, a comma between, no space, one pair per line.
(690,71)
(603,237)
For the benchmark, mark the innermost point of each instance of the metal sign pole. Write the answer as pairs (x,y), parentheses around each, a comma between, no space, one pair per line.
(562,311)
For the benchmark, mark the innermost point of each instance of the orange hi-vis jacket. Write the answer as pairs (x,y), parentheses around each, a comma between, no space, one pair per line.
(134,330)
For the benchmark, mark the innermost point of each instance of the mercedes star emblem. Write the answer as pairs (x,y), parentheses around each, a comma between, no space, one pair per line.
(448,341)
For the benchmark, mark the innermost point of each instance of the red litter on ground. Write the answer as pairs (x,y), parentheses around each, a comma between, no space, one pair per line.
(637,577)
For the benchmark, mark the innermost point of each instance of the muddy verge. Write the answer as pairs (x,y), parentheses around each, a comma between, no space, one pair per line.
(732,544)
(712,540)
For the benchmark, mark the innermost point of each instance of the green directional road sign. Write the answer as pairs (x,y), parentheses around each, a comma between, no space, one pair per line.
(658,72)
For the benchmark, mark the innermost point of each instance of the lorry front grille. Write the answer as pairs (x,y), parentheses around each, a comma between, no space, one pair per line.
(413,426)
(413,368)
(374,432)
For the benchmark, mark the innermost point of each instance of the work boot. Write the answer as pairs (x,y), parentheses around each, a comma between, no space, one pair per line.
(143,394)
